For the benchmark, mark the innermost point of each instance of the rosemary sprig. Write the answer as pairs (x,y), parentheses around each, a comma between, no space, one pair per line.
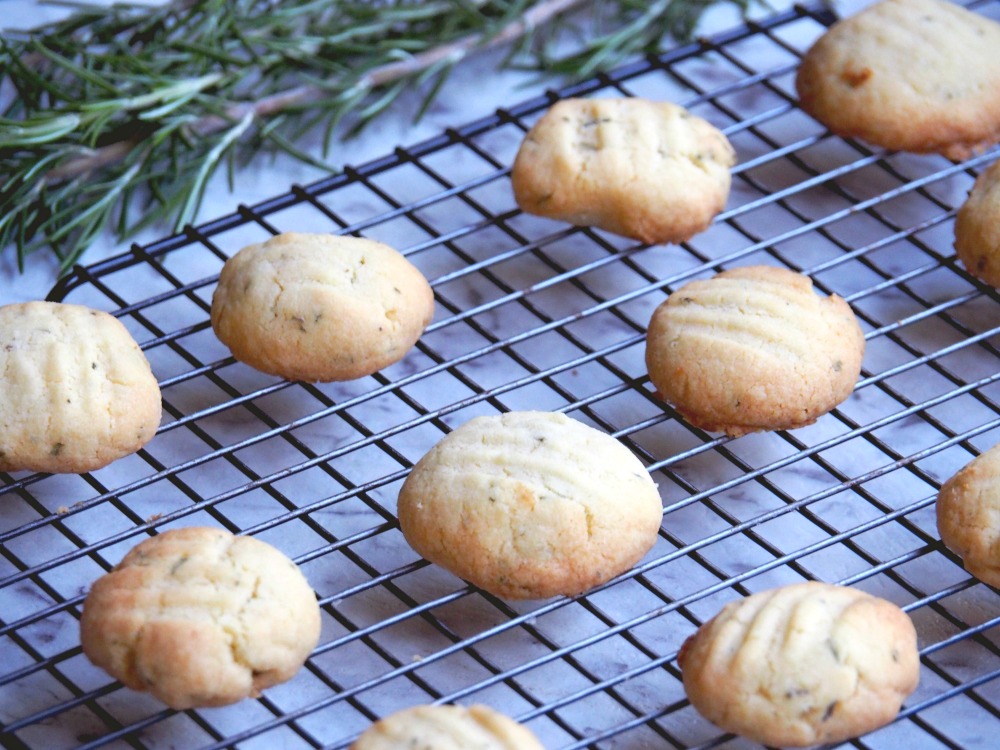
(139,102)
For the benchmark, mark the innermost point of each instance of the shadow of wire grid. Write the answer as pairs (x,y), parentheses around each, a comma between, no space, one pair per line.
(534,314)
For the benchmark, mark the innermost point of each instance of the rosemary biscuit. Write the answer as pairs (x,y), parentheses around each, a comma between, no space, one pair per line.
(76,391)
(647,170)
(316,307)
(977,228)
(447,728)
(199,617)
(803,664)
(753,349)
(528,505)
(968,515)
(909,75)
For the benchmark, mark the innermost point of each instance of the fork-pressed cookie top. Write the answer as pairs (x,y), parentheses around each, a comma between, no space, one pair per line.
(753,348)
(76,390)
(802,664)
(532,504)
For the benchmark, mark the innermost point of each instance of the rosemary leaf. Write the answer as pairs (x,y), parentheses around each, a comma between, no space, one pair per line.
(207,166)
(140,104)
(36,131)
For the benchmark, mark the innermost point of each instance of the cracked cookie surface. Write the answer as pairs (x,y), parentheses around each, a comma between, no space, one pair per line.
(447,728)
(751,349)
(320,308)
(76,391)
(200,617)
(802,664)
(647,170)
(968,515)
(910,75)
(528,505)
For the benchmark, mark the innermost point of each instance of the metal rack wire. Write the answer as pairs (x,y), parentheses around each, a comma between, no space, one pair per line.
(535,314)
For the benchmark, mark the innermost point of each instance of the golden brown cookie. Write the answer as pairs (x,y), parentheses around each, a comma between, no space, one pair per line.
(803,664)
(317,307)
(529,505)
(447,728)
(76,391)
(909,75)
(199,617)
(968,516)
(647,170)
(977,228)
(753,349)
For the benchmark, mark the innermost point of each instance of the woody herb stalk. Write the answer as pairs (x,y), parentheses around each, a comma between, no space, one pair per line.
(144,103)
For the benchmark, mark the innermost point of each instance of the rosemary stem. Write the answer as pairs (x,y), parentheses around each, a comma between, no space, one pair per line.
(180,88)
(270,105)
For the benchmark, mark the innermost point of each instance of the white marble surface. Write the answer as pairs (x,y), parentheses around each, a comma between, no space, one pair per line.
(463,99)
(706,490)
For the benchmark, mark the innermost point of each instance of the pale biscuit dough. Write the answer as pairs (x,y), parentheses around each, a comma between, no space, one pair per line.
(647,170)
(528,505)
(199,617)
(753,349)
(968,515)
(447,728)
(76,391)
(977,228)
(316,307)
(803,664)
(910,75)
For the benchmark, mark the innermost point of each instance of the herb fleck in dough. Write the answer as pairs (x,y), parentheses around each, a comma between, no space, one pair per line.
(753,348)
(802,664)
(529,505)
(200,617)
(76,390)
(647,170)
(317,307)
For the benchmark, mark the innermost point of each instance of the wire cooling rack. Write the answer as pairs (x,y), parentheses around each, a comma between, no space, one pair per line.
(534,314)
